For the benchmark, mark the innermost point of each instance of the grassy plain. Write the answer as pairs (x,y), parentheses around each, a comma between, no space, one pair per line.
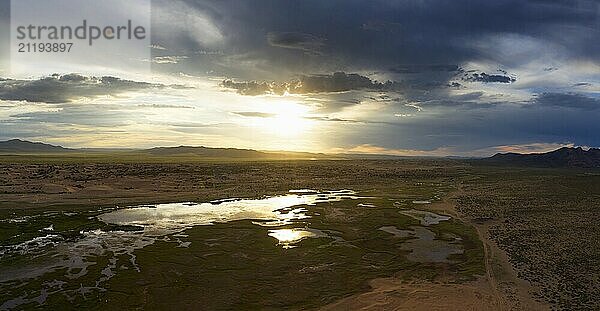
(527,234)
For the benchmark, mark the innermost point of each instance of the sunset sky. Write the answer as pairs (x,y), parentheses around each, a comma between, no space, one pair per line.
(464,78)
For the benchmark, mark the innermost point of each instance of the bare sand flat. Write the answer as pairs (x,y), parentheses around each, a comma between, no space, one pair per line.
(394,294)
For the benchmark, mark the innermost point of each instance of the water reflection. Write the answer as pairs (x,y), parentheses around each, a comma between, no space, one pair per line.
(288,237)
(421,202)
(170,218)
(162,222)
(425,248)
(397,232)
(426,218)
(423,245)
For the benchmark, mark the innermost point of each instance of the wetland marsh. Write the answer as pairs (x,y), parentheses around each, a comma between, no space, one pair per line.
(295,236)
(221,236)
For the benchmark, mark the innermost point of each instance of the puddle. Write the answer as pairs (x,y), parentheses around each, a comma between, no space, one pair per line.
(288,237)
(422,202)
(304,191)
(72,255)
(426,218)
(397,232)
(423,246)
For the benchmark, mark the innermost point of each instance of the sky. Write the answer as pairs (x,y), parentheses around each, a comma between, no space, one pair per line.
(410,77)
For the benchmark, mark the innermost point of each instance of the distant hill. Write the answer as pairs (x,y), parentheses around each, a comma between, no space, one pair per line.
(206,152)
(17,146)
(563,157)
(209,152)
(23,146)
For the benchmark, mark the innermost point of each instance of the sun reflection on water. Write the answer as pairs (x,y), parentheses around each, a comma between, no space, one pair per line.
(288,237)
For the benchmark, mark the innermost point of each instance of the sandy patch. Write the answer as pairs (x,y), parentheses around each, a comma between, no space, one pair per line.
(394,294)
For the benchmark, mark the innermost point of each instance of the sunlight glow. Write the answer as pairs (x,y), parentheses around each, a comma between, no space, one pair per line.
(288,120)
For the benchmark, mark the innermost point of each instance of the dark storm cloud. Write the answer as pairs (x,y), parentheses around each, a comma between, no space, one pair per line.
(340,82)
(382,26)
(383,34)
(66,88)
(471,129)
(567,100)
(580,84)
(331,83)
(488,78)
(337,91)
(420,68)
(296,40)
(254,88)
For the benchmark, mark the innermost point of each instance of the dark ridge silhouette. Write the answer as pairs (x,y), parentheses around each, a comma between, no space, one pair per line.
(17,146)
(563,157)
(210,152)
(23,146)
(207,152)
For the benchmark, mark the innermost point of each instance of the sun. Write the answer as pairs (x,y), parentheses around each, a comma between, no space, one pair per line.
(286,125)
(287,120)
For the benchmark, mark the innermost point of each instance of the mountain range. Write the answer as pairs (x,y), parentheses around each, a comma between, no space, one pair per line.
(564,157)
(23,146)
(17,146)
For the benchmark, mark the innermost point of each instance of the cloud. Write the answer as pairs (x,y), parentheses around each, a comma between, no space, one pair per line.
(377,35)
(168,59)
(255,114)
(94,116)
(567,100)
(157,46)
(164,106)
(420,68)
(488,78)
(367,36)
(181,25)
(269,48)
(340,82)
(254,88)
(296,41)
(66,88)
(382,26)
(330,119)
(308,84)
(579,84)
